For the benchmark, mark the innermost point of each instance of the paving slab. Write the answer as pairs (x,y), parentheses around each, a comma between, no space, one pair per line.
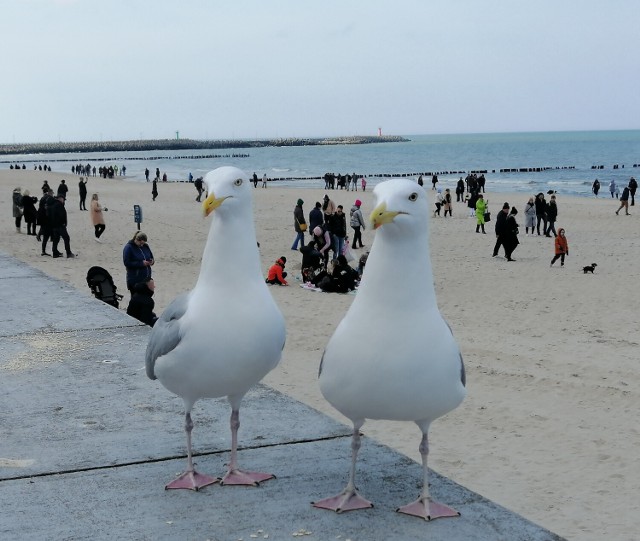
(87,443)
(130,503)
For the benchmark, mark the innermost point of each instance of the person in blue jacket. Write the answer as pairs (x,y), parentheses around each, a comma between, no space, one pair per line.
(138,260)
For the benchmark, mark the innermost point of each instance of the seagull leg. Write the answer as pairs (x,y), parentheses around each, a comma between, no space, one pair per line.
(424,507)
(235,476)
(349,499)
(191,479)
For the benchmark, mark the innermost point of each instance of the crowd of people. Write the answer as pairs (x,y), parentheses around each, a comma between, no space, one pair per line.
(614,189)
(328,259)
(50,217)
(86,170)
(327,253)
(349,182)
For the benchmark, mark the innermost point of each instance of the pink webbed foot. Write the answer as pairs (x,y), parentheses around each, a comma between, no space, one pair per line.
(239,477)
(427,509)
(192,480)
(348,500)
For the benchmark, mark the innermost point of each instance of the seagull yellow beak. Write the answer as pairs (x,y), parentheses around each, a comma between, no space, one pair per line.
(211,203)
(381,215)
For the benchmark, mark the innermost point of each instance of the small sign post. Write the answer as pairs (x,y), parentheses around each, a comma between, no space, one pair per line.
(137,215)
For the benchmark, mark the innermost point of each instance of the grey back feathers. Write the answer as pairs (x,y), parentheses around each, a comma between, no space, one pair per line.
(165,335)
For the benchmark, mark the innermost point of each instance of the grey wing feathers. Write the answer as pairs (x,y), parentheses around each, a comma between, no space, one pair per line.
(165,335)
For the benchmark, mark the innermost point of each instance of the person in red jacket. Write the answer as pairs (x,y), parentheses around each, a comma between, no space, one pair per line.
(276,274)
(562,248)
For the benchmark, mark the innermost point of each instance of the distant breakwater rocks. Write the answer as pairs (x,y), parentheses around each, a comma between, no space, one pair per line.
(190,144)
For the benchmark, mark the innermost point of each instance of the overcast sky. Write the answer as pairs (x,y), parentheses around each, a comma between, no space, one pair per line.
(91,70)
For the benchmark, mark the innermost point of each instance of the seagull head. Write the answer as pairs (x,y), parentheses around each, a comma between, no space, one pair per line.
(225,184)
(400,202)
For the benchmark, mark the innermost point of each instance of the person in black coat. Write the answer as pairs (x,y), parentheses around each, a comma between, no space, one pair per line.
(311,257)
(29,212)
(141,304)
(58,220)
(316,217)
(552,216)
(82,190)
(510,234)
(541,212)
(501,220)
(44,233)
(62,189)
(633,186)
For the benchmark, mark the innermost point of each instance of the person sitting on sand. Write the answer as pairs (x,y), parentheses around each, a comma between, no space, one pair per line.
(276,274)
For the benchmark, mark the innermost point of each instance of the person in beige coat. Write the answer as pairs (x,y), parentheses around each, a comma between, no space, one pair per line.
(97,218)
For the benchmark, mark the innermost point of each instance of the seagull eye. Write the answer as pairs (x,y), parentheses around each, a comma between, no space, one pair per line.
(413,196)
(238,182)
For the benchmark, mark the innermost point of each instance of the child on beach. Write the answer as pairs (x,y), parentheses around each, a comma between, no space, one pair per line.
(561,247)
(276,276)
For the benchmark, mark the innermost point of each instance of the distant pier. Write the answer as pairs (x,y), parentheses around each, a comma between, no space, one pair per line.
(190,144)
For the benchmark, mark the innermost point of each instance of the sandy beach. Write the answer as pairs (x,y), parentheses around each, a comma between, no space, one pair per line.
(549,427)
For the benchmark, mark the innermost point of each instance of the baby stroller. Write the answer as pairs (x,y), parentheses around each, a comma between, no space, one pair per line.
(101,284)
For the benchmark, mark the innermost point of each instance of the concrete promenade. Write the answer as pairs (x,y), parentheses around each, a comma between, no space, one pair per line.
(87,443)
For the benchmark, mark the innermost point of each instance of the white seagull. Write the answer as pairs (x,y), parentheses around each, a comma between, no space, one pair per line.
(227,333)
(393,356)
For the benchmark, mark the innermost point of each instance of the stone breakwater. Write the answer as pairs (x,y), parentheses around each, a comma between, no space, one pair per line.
(189,144)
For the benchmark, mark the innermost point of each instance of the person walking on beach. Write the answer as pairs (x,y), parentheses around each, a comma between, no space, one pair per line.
(199,187)
(17,208)
(481,182)
(264,180)
(561,248)
(363,183)
(63,189)
(624,201)
(157,173)
(596,187)
(446,205)
(552,216)
(541,212)
(146,174)
(481,208)
(434,181)
(499,228)
(612,188)
(299,225)
(44,220)
(510,234)
(96,217)
(154,189)
(356,222)
(59,227)
(460,190)
(530,216)
(255,180)
(438,203)
(138,260)
(29,211)
(633,186)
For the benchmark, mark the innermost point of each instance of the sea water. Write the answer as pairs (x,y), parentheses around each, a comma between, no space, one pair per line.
(566,162)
